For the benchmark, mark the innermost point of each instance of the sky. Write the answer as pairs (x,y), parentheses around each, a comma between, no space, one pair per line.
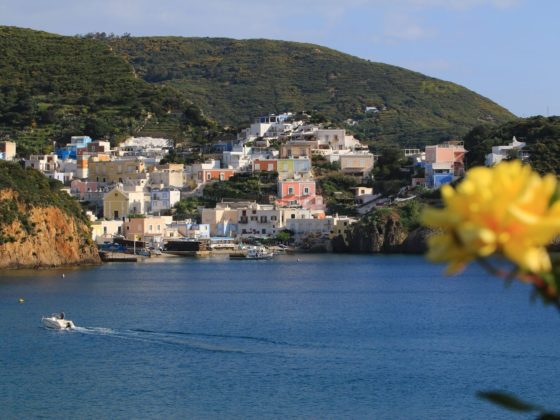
(506,50)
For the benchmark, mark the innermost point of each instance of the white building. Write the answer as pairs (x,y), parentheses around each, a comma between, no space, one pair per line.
(43,163)
(168,175)
(163,199)
(258,220)
(500,153)
(269,127)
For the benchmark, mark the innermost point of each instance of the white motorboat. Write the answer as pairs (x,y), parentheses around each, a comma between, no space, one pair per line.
(57,322)
(253,253)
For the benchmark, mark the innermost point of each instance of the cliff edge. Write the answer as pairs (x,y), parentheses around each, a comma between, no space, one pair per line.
(382,232)
(40,225)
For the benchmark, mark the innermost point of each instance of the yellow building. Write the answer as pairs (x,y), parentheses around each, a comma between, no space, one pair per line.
(115,204)
(356,163)
(168,175)
(7,150)
(295,149)
(222,219)
(118,203)
(105,230)
(110,171)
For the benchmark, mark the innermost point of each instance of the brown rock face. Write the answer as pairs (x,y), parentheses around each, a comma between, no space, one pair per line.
(51,238)
(384,235)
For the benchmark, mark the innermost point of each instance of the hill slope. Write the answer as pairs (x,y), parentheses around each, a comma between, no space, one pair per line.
(236,80)
(55,86)
(541,135)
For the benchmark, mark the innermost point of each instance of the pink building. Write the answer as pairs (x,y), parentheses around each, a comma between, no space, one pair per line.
(79,188)
(299,193)
(450,152)
(148,229)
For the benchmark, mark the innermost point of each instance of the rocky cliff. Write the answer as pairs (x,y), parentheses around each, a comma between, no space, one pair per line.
(382,233)
(39,226)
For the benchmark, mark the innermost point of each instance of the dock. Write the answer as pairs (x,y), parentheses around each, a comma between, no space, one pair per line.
(117,257)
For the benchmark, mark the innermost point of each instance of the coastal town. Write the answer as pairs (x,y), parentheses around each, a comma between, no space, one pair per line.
(299,210)
(132,191)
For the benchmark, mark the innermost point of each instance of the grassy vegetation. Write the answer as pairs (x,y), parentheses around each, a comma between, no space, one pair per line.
(52,87)
(236,80)
(335,188)
(255,187)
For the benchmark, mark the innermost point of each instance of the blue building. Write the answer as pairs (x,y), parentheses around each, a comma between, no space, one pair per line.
(70,151)
(438,174)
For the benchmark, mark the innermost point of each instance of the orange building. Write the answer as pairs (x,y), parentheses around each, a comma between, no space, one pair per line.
(208,175)
(265,165)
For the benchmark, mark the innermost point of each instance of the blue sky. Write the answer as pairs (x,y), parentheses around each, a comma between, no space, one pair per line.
(506,50)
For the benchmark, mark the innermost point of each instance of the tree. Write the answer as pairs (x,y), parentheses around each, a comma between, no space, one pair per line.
(388,166)
(186,209)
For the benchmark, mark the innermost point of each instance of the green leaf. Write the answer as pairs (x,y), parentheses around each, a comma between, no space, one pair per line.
(509,401)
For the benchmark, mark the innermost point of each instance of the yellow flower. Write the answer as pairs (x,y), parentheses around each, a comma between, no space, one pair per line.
(508,210)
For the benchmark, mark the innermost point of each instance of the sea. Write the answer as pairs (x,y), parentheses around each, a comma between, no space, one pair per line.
(310,336)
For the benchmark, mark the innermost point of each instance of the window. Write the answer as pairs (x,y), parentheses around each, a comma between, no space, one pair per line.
(292,216)
(254,218)
(257,166)
(208,176)
(264,231)
(158,227)
(272,217)
(306,191)
(150,228)
(290,190)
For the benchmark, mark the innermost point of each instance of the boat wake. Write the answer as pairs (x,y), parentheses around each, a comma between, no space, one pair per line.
(194,341)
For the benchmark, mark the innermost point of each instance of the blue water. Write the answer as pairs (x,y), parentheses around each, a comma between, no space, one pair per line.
(324,337)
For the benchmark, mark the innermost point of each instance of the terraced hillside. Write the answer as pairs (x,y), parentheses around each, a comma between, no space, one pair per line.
(234,80)
(52,87)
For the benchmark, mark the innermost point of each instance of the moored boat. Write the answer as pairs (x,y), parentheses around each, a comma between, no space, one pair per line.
(253,253)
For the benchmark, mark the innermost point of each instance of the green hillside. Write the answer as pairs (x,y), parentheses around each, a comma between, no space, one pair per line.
(52,87)
(235,80)
(541,134)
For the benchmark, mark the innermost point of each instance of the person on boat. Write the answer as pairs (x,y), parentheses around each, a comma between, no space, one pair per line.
(61,315)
